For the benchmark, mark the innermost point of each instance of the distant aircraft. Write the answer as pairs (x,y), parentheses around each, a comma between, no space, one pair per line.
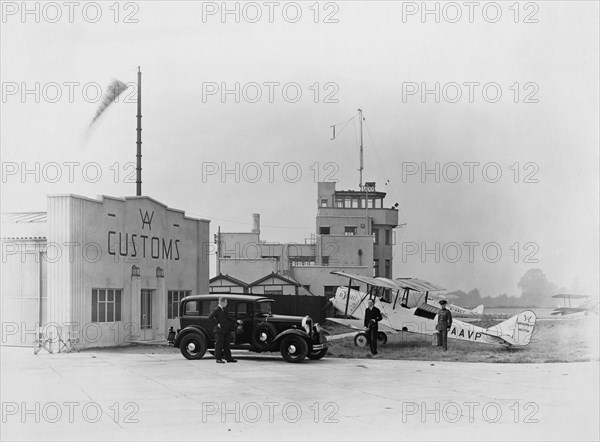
(584,305)
(408,310)
(435,300)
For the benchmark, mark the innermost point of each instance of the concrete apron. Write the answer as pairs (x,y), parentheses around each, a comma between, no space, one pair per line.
(114,395)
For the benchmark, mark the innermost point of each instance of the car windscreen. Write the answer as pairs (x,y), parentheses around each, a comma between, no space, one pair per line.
(263,307)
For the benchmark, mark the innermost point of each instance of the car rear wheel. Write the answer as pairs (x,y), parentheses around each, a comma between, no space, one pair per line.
(193,346)
(361,340)
(294,349)
(381,338)
(316,355)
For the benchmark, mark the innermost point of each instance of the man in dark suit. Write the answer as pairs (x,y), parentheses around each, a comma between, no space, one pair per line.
(224,326)
(372,318)
(444,323)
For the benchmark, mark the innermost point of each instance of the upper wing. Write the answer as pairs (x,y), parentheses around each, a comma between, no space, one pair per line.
(565,296)
(418,285)
(567,310)
(414,284)
(377,282)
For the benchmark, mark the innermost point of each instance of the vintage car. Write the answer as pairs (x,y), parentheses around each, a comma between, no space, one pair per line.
(258,330)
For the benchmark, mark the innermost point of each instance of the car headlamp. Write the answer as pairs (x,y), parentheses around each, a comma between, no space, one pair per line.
(307,324)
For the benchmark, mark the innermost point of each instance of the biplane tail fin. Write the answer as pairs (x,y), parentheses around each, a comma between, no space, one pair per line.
(516,330)
(478,310)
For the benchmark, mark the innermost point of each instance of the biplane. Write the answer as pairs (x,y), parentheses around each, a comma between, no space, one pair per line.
(583,304)
(405,308)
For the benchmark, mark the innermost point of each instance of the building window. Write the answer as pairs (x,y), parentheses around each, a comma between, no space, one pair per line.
(376,235)
(302,260)
(350,230)
(329,291)
(323,203)
(375,268)
(388,268)
(174,297)
(371,203)
(106,305)
(324,230)
(226,289)
(355,203)
(271,292)
(200,308)
(306,287)
(347,202)
(388,237)
(325,260)
(339,202)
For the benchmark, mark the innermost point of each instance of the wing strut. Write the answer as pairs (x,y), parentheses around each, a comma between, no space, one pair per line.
(404,302)
(348,298)
(396,299)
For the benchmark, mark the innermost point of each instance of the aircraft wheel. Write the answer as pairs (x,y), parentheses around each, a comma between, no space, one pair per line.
(361,339)
(381,338)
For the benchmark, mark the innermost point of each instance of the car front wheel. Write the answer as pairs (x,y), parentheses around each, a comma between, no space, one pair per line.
(316,355)
(193,346)
(294,348)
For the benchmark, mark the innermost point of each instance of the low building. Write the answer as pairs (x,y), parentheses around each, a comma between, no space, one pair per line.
(269,285)
(99,272)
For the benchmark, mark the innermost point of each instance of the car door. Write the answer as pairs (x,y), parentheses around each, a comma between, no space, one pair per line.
(207,306)
(243,312)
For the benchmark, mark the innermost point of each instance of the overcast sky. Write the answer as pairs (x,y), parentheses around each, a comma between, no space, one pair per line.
(542,212)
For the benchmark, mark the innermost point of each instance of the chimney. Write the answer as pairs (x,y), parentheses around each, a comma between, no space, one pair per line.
(256,222)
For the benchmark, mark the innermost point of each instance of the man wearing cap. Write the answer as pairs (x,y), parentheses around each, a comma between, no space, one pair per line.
(372,318)
(444,323)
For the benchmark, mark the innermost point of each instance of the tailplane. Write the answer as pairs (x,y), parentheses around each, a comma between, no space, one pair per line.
(516,330)
(478,310)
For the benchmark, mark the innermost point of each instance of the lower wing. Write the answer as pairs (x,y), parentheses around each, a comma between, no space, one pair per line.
(358,324)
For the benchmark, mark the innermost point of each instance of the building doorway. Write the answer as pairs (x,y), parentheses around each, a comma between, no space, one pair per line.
(146,315)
